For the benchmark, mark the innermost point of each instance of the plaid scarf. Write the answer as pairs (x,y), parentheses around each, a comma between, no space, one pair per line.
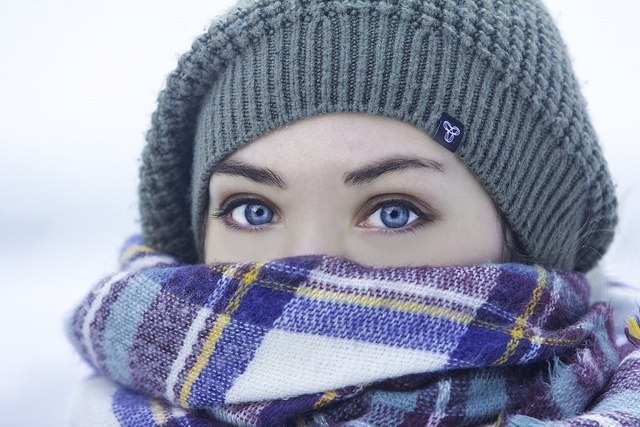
(318,340)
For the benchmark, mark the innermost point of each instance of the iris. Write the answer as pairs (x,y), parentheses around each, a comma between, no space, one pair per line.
(257,214)
(394,216)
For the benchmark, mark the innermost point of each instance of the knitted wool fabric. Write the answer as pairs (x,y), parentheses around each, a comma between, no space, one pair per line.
(319,340)
(498,67)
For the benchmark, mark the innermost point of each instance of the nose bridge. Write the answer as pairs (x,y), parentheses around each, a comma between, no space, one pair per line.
(316,237)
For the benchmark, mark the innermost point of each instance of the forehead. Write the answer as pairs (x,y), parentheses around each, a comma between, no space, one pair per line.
(345,139)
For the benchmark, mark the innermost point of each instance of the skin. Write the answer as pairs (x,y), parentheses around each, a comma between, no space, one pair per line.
(327,179)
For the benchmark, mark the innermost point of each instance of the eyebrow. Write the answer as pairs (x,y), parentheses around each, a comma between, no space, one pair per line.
(392,164)
(256,174)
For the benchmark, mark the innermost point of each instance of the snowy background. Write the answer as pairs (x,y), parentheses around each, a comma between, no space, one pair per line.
(78,83)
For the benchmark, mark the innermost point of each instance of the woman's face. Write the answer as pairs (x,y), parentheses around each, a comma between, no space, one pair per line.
(371,189)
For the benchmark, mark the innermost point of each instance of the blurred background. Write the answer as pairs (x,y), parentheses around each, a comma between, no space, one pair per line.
(78,84)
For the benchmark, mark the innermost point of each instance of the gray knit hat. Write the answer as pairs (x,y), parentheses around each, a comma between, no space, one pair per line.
(498,67)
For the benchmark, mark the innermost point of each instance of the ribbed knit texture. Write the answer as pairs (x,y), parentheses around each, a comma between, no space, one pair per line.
(498,67)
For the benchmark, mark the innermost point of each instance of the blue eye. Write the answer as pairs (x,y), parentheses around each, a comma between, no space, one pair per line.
(392,216)
(252,214)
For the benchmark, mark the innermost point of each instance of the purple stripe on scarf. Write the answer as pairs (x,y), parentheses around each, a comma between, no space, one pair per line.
(159,340)
(494,338)
(569,301)
(279,411)
(199,286)
(627,378)
(471,281)
(514,291)
(100,319)
(77,322)
(196,349)
(431,295)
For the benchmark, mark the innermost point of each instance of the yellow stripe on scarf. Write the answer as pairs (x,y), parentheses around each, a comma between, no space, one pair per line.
(517,333)
(158,413)
(134,250)
(633,327)
(435,311)
(369,301)
(216,332)
(325,398)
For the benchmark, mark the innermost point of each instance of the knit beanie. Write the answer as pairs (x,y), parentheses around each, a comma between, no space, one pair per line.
(497,68)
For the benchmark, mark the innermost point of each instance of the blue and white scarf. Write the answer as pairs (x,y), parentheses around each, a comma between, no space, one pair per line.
(320,340)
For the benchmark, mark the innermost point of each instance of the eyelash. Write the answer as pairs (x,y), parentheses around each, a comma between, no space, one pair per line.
(423,217)
(223,214)
(224,211)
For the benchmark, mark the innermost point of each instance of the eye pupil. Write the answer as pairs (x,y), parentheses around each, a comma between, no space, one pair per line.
(257,214)
(394,216)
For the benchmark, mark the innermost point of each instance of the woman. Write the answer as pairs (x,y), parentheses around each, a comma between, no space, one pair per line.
(393,202)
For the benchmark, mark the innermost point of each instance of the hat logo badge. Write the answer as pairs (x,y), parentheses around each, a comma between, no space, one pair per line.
(452,131)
